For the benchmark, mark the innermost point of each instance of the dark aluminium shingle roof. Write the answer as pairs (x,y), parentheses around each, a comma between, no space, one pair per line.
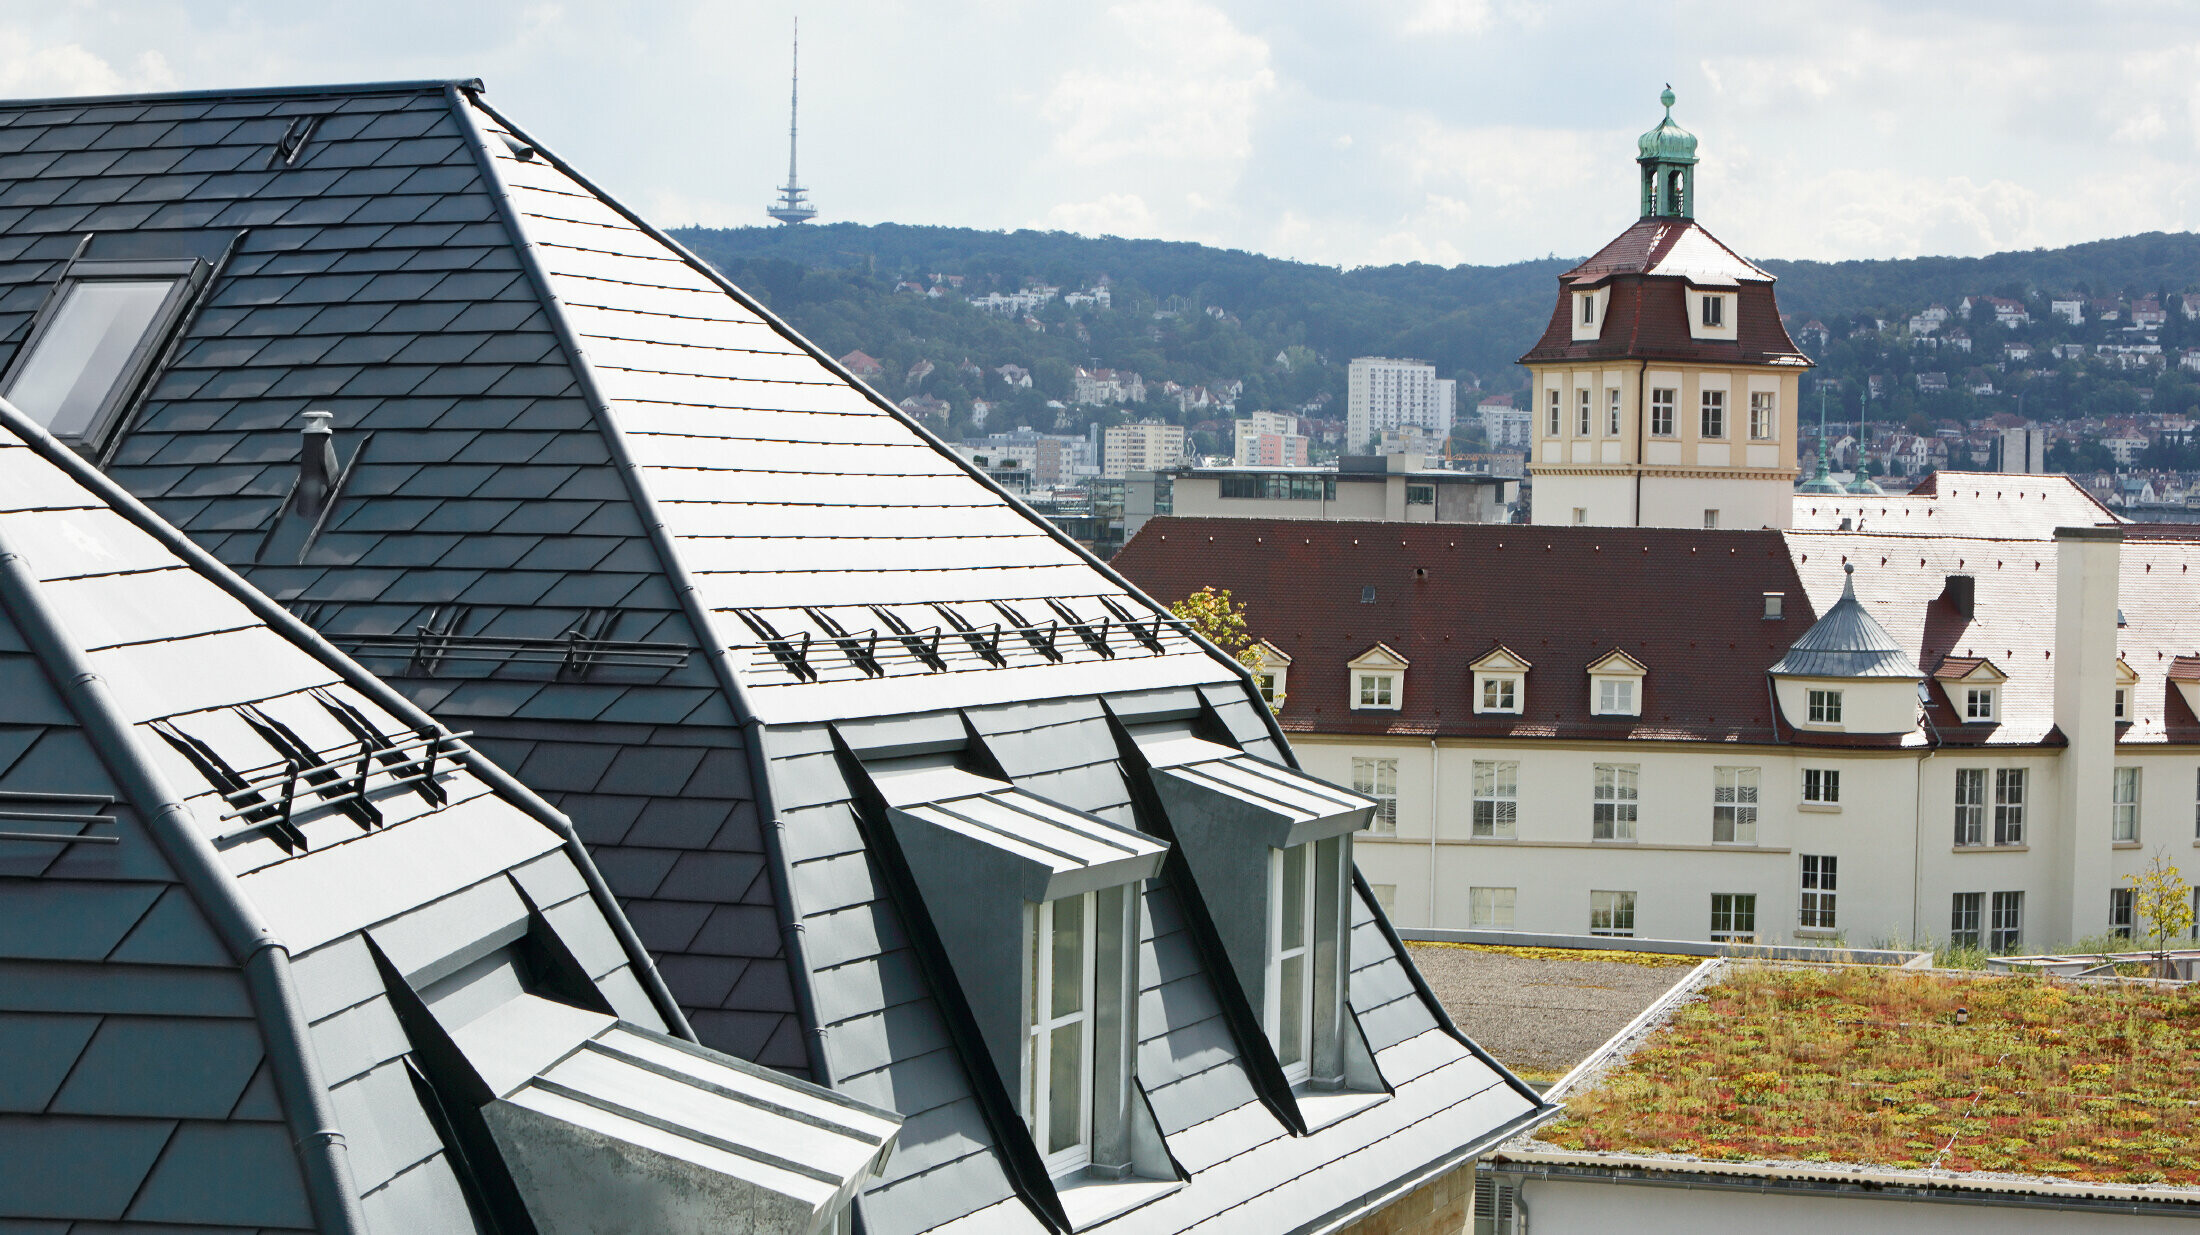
(668,563)
(207,953)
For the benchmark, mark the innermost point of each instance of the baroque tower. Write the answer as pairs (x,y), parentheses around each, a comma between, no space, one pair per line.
(1665,387)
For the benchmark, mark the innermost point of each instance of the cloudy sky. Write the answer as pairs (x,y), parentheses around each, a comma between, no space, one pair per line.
(1367,131)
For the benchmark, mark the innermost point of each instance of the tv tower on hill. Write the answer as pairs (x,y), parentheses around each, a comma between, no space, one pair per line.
(793,205)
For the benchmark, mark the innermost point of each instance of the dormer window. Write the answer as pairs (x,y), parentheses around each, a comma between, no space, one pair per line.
(94,341)
(1615,685)
(1269,678)
(1378,680)
(1058,1029)
(2126,682)
(1589,308)
(1714,311)
(1978,703)
(1973,684)
(1500,682)
(2123,704)
(1711,314)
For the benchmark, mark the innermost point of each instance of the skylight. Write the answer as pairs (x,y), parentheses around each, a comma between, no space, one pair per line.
(94,342)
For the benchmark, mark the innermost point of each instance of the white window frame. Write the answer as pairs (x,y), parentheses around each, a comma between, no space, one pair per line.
(1738,906)
(1375,690)
(1615,797)
(1584,412)
(1979,704)
(1612,913)
(1296,1070)
(1711,312)
(1823,705)
(1822,786)
(1734,802)
(2009,802)
(1497,693)
(1967,920)
(2124,806)
(1378,779)
(1492,908)
(1764,418)
(2122,710)
(1970,807)
(1665,402)
(1616,695)
(1495,809)
(1711,415)
(2123,917)
(1815,907)
(1612,412)
(1040,1030)
(2005,929)
(1556,413)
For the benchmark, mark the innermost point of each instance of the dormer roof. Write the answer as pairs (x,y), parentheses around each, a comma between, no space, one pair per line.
(1848,642)
(1617,663)
(1968,669)
(1500,659)
(1381,656)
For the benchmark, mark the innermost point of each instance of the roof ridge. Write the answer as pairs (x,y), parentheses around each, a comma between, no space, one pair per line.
(420,86)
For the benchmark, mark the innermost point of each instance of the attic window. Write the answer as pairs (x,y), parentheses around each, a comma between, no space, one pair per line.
(1367,594)
(1978,703)
(94,341)
(1714,311)
(1775,606)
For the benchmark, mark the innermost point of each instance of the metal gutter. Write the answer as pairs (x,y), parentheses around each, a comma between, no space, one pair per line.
(286,623)
(708,271)
(1461,1158)
(714,648)
(1862,1182)
(256,92)
(300,1089)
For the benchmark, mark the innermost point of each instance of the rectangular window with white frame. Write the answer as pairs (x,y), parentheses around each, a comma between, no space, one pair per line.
(1978,704)
(2122,915)
(1496,798)
(1822,786)
(1491,908)
(1552,416)
(1764,417)
(1616,697)
(2124,817)
(1714,311)
(1378,690)
(1612,814)
(1290,1010)
(1964,925)
(1825,706)
(1663,401)
(1612,913)
(1058,1030)
(1500,694)
(2008,806)
(2123,705)
(1611,412)
(1817,909)
(1970,806)
(1583,413)
(1734,806)
(1378,779)
(1714,414)
(2005,932)
(1733,917)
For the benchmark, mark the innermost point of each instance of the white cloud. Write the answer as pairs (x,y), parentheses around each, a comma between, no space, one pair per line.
(1180,84)
(1114,214)
(31,68)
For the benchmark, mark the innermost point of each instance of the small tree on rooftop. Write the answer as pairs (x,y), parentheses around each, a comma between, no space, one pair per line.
(2163,901)
(1220,621)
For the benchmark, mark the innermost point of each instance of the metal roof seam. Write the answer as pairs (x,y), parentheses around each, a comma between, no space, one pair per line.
(338,90)
(262,957)
(715,646)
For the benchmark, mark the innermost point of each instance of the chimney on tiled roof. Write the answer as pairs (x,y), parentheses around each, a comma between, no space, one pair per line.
(1961,593)
(2087,561)
(316,466)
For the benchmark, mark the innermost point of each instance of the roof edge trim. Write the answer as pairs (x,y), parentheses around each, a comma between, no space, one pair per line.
(424,86)
(287,624)
(301,1091)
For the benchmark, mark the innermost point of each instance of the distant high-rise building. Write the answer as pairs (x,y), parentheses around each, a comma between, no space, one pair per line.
(1382,393)
(2023,450)
(793,205)
(1140,447)
(1270,439)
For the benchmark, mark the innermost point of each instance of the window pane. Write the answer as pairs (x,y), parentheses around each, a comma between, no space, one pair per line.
(1065,1091)
(1069,956)
(1293,893)
(1291,1005)
(81,354)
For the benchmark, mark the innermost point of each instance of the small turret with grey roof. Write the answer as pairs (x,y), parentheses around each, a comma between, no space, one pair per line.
(1848,642)
(1847,675)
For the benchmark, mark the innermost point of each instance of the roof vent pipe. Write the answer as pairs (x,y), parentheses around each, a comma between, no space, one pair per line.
(1845,524)
(316,466)
(1961,593)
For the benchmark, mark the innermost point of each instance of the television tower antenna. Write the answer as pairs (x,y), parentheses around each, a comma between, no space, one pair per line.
(793,205)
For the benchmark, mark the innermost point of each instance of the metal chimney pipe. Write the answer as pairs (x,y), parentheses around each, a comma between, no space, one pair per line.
(316,465)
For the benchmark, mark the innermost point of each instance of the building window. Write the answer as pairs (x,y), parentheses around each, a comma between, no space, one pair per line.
(1970,806)
(1378,779)
(1733,917)
(1822,786)
(1581,515)
(1818,891)
(1662,403)
(1420,495)
(1500,694)
(1714,311)
(1978,703)
(1711,518)
(1291,957)
(2126,805)
(1761,417)
(1553,417)
(2121,918)
(1058,1026)
(1582,414)
(1825,707)
(1378,690)
(1963,919)
(2006,931)
(1714,413)
(92,344)
(1496,798)
(2123,704)
(1612,913)
(1491,907)
(1588,307)
(1616,697)
(2008,806)
(1612,814)
(1611,412)
(1734,806)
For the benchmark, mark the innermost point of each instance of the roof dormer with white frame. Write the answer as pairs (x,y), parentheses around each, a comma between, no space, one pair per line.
(1615,684)
(2127,688)
(1500,682)
(1378,679)
(1973,684)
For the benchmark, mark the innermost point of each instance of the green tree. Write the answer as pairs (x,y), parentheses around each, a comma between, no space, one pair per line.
(2162,900)
(1220,621)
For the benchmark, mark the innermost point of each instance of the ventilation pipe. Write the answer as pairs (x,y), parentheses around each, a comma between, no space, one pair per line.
(316,466)
(1961,593)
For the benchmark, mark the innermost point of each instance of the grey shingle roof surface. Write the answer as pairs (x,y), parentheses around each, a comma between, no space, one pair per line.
(560,421)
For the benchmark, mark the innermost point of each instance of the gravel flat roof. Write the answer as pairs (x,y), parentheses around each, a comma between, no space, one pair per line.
(1541,1011)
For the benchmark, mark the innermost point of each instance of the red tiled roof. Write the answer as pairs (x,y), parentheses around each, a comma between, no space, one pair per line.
(1649,268)
(1687,604)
